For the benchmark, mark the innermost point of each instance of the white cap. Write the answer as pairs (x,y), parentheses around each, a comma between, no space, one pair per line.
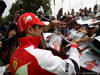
(98,14)
(97,38)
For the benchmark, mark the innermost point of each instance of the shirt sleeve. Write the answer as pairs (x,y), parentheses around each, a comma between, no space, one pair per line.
(55,64)
(2,69)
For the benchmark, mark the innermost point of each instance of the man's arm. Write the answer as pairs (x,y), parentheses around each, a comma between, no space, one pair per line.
(55,64)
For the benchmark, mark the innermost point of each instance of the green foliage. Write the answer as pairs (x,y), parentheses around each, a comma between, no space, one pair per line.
(34,5)
(29,6)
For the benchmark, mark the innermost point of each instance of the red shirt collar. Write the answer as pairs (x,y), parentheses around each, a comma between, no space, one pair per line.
(29,40)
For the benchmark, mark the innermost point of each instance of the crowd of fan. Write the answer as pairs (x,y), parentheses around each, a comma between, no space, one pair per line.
(66,24)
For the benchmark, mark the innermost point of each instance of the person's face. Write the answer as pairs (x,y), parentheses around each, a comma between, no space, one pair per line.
(64,25)
(37,30)
(77,26)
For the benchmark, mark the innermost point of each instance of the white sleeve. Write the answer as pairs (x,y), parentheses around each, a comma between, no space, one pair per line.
(74,57)
(2,69)
(53,63)
(74,54)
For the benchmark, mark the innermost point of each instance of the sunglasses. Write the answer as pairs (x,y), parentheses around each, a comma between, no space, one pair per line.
(37,26)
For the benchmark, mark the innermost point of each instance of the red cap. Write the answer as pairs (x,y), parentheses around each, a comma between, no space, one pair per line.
(28,19)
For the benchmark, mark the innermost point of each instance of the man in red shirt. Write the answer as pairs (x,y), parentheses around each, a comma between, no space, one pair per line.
(28,59)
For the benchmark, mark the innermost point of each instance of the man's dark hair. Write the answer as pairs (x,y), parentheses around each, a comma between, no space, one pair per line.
(2,7)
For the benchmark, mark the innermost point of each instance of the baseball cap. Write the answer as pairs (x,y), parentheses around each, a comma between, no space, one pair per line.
(98,14)
(89,25)
(28,19)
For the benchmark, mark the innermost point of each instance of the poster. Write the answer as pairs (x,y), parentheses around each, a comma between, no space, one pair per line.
(90,60)
(55,42)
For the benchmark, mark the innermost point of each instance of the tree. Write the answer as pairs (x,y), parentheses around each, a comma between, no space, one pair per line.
(28,6)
